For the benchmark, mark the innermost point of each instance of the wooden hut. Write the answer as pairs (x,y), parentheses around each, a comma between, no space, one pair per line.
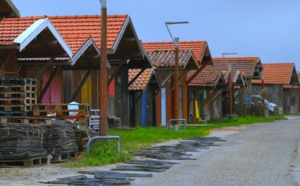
(63,53)
(208,89)
(281,84)
(143,88)
(238,82)
(193,55)
(251,67)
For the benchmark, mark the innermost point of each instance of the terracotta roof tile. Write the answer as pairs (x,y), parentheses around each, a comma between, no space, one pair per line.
(205,77)
(246,64)
(198,47)
(166,58)
(277,73)
(142,81)
(74,29)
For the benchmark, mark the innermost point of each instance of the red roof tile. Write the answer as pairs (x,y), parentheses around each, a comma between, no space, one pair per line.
(198,47)
(142,81)
(75,30)
(277,73)
(204,77)
(246,64)
(166,58)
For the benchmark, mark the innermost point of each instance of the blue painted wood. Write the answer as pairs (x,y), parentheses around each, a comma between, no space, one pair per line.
(163,107)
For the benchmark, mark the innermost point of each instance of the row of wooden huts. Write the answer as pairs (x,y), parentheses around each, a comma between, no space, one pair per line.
(63,54)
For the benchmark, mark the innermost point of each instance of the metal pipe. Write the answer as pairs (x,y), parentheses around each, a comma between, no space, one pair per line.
(88,145)
(171,120)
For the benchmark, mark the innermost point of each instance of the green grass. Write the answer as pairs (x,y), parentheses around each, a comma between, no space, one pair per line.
(104,152)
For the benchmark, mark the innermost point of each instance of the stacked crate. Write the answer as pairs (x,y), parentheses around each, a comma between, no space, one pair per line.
(17,95)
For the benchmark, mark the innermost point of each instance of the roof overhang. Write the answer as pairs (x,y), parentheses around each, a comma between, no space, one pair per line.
(8,9)
(192,63)
(40,40)
(87,57)
(127,39)
(239,79)
(206,58)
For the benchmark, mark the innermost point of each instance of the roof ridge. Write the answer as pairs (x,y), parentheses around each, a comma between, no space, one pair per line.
(167,42)
(65,16)
(88,16)
(235,58)
(281,63)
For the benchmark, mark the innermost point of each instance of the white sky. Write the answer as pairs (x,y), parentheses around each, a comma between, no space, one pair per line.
(268,29)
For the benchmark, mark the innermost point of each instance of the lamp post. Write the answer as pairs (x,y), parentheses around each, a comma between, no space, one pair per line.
(229,81)
(103,72)
(176,73)
(262,80)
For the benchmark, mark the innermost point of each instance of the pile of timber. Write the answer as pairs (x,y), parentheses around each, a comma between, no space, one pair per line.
(60,140)
(21,142)
(17,95)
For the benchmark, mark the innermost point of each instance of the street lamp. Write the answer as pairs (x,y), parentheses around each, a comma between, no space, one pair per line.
(229,81)
(262,80)
(103,72)
(176,83)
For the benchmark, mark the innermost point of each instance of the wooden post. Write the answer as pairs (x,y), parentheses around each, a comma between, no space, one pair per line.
(103,72)
(176,83)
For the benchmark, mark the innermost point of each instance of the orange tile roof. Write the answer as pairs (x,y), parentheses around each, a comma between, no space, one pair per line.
(247,64)
(198,47)
(205,77)
(277,73)
(142,81)
(75,30)
(166,58)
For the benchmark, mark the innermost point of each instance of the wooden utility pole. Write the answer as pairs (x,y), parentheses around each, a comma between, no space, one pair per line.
(176,83)
(103,72)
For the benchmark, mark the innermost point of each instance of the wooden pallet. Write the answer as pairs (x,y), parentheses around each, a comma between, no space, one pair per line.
(17,95)
(14,108)
(18,101)
(25,163)
(17,81)
(15,113)
(64,156)
(6,120)
(18,88)
(61,110)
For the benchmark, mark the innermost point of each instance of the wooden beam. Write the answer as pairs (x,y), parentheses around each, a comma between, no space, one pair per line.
(47,85)
(212,97)
(195,74)
(128,39)
(46,67)
(180,79)
(52,41)
(183,75)
(167,78)
(5,59)
(116,71)
(136,77)
(79,86)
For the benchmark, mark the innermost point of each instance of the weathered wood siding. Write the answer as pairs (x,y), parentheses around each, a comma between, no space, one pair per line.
(287,99)
(122,96)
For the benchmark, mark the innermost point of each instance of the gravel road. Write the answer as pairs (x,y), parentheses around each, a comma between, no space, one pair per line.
(260,154)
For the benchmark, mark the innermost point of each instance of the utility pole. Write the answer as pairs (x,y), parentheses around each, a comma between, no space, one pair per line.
(103,72)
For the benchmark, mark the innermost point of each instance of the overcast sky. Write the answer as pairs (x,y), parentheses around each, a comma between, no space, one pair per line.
(269,29)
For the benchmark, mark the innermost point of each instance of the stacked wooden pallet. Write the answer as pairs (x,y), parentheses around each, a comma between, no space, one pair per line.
(60,141)
(76,113)
(17,95)
(21,143)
